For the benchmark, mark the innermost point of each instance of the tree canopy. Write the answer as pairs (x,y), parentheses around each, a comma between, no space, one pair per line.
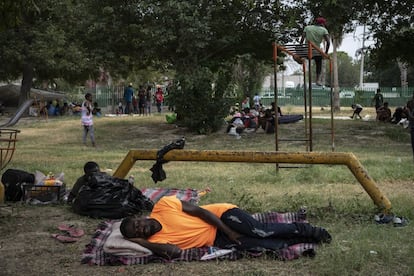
(201,41)
(392,24)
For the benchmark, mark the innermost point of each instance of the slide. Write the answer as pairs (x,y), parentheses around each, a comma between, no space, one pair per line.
(16,117)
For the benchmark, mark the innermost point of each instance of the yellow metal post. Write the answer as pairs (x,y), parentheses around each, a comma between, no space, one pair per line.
(329,158)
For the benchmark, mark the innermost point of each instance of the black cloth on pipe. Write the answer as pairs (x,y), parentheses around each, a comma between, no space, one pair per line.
(158,173)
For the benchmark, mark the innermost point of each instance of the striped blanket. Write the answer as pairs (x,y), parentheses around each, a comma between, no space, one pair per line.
(155,194)
(94,253)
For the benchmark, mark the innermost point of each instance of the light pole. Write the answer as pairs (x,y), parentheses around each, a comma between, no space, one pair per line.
(361,73)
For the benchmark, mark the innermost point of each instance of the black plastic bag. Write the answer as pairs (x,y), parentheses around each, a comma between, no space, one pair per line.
(106,196)
(13,181)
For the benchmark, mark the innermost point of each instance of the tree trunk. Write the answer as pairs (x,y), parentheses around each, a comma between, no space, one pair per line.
(336,102)
(403,73)
(27,82)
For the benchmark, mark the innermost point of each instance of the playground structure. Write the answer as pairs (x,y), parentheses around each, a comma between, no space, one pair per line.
(329,158)
(20,111)
(8,139)
(300,54)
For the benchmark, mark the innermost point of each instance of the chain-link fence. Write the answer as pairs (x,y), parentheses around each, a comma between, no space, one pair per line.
(321,96)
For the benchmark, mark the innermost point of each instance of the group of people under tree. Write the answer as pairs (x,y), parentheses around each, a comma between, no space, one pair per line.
(141,102)
(253,119)
(383,111)
(384,114)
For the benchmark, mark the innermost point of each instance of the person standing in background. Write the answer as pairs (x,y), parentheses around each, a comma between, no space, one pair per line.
(141,100)
(246,103)
(159,99)
(128,94)
(87,120)
(148,100)
(409,112)
(257,101)
(378,99)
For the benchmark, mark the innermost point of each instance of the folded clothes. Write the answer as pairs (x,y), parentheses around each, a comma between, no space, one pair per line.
(116,244)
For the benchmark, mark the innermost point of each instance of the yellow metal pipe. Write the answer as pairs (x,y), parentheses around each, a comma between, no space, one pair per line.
(331,158)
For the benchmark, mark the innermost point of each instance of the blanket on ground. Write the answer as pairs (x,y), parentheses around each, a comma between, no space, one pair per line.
(155,194)
(94,253)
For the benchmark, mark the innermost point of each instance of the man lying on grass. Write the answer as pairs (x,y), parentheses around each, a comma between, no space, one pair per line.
(174,225)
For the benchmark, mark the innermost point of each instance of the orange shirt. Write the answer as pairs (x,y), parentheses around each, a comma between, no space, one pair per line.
(182,229)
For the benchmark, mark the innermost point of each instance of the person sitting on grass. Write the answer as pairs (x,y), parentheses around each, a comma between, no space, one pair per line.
(384,113)
(175,225)
(398,115)
(267,119)
(236,125)
(357,110)
(89,169)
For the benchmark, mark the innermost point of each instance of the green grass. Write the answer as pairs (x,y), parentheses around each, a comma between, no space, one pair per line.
(333,196)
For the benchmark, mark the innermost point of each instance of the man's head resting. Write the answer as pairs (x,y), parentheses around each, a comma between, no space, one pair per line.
(138,227)
(127,228)
(90,167)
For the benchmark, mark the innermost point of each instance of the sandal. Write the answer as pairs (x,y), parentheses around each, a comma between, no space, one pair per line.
(72,230)
(383,218)
(400,222)
(64,239)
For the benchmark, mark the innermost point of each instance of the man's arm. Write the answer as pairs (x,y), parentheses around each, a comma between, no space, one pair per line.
(81,181)
(210,218)
(165,250)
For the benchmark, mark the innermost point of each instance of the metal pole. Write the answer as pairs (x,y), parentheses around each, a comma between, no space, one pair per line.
(310,95)
(329,158)
(332,111)
(361,73)
(275,96)
(276,119)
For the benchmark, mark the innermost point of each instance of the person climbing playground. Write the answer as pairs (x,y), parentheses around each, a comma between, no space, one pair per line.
(316,34)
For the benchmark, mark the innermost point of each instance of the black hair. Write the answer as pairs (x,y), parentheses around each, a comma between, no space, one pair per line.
(125,222)
(90,167)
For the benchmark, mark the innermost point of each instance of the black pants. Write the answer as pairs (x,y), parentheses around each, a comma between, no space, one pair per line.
(257,235)
(318,63)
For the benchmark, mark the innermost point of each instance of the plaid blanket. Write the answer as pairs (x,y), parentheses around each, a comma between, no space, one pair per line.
(95,255)
(155,194)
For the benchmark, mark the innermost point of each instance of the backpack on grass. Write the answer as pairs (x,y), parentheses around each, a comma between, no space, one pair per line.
(13,181)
